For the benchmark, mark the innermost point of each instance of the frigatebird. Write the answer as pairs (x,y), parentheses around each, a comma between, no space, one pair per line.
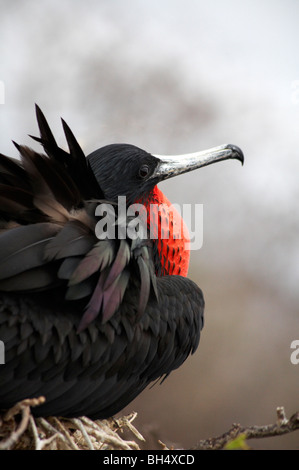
(89,320)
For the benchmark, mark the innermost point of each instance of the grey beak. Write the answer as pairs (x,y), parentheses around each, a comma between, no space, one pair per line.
(173,165)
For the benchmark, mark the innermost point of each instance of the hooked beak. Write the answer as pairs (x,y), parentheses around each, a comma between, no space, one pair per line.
(173,165)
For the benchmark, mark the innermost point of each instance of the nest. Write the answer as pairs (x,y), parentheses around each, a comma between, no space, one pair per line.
(19,430)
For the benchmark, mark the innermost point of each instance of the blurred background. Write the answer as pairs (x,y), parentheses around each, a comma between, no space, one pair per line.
(176,77)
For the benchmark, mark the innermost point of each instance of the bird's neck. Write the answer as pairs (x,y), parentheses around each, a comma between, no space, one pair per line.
(170,233)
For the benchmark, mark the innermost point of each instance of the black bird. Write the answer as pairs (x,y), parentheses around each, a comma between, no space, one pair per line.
(93,309)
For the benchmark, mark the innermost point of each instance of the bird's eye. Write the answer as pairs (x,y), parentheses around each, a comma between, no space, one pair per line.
(143,171)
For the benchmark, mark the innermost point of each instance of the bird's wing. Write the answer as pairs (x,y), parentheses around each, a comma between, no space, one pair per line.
(48,231)
(103,368)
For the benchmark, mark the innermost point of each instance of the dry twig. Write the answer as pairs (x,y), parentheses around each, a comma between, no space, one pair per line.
(16,431)
(282,426)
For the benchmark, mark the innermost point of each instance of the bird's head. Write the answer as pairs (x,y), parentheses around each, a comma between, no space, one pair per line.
(126,170)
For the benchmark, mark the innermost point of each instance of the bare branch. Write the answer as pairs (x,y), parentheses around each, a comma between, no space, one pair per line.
(282,426)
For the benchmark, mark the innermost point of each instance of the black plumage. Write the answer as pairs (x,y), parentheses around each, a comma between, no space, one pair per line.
(86,322)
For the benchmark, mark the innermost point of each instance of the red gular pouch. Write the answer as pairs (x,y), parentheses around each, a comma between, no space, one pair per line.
(168,231)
